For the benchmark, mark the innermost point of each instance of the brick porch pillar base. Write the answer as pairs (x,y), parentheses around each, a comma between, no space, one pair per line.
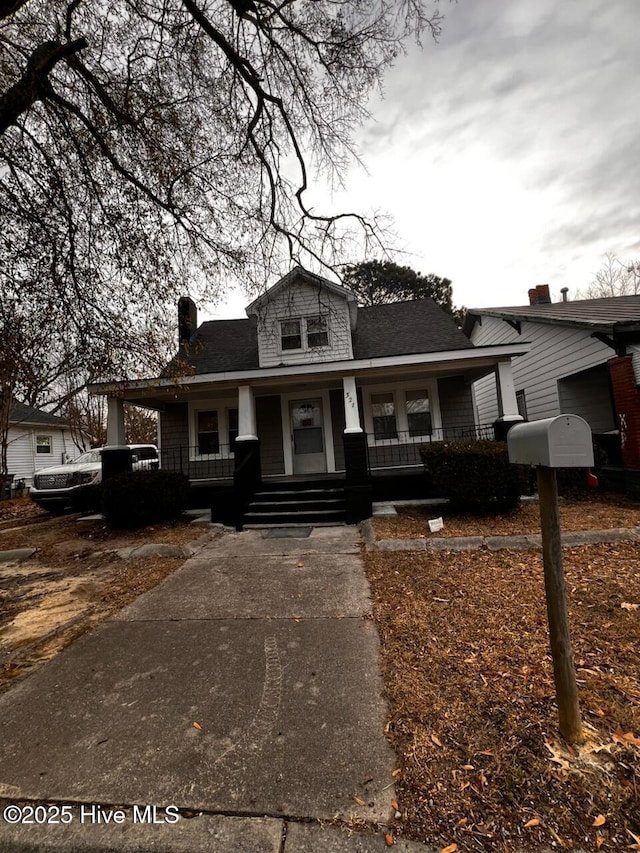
(627,404)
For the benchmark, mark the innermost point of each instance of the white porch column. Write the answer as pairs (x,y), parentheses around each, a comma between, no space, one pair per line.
(115,421)
(507,402)
(247,430)
(351,408)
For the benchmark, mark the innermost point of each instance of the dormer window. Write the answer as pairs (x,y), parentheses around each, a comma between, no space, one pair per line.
(291,334)
(317,332)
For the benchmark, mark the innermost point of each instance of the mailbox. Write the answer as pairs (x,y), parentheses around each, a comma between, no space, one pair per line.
(560,442)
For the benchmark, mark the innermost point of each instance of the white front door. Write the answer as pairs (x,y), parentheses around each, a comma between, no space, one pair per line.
(307,437)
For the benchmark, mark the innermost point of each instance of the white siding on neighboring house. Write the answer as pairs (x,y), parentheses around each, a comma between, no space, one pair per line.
(302,302)
(634,350)
(557,351)
(23,460)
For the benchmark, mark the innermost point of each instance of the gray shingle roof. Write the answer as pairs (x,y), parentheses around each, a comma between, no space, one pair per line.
(400,328)
(607,314)
(22,414)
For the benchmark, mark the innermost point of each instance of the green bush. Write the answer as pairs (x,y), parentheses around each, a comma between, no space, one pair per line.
(475,476)
(87,498)
(138,498)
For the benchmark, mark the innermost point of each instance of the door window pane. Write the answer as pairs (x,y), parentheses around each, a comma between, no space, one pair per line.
(290,332)
(306,415)
(208,435)
(418,413)
(384,416)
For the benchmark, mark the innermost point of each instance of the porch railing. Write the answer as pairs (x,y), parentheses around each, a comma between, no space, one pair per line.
(218,465)
(402,449)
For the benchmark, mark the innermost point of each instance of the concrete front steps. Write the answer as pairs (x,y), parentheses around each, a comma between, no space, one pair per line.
(297,502)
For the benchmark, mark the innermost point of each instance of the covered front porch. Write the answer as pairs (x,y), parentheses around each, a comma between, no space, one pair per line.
(354,426)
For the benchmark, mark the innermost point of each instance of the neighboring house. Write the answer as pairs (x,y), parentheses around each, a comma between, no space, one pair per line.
(584,359)
(36,440)
(310,385)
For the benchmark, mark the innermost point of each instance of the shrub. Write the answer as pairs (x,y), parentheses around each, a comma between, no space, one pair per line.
(87,498)
(475,476)
(137,498)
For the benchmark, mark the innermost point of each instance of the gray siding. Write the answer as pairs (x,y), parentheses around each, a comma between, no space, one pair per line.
(337,425)
(456,407)
(269,426)
(588,394)
(557,351)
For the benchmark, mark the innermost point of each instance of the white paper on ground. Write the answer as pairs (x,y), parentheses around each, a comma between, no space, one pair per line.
(436,524)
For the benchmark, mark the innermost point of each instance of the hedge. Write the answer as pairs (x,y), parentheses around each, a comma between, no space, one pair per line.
(475,476)
(138,498)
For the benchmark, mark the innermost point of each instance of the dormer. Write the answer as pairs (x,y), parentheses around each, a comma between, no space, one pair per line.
(304,319)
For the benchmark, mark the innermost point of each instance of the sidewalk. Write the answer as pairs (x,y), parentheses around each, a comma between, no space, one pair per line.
(246,687)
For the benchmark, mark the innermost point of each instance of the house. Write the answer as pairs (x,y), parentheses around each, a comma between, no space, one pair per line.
(36,439)
(584,358)
(312,387)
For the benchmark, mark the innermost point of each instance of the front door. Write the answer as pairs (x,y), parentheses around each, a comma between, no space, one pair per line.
(307,435)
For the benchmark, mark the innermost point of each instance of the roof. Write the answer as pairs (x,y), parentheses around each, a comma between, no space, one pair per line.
(22,414)
(401,328)
(608,314)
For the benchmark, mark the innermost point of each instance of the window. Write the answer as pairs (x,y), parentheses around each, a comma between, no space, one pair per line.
(317,332)
(44,444)
(418,413)
(521,400)
(384,416)
(232,423)
(208,433)
(290,334)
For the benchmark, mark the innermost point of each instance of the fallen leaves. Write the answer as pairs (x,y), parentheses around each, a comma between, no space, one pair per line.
(450,849)
(436,740)
(389,840)
(197,726)
(359,801)
(626,606)
(533,822)
(626,739)
(599,821)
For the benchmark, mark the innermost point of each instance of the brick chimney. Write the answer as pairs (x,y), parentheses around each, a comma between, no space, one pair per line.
(187,319)
(539,295)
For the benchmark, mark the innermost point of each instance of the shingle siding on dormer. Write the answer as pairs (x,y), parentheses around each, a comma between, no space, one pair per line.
(299,302)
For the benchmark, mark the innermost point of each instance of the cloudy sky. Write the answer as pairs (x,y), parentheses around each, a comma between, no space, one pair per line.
(509,152)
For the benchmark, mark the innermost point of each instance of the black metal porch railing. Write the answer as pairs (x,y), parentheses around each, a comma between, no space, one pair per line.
(401,449)
(220,465)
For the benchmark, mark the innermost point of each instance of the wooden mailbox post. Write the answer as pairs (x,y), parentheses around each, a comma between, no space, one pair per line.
(560,442)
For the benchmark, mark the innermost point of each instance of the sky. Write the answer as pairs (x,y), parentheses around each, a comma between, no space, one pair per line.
(508,154)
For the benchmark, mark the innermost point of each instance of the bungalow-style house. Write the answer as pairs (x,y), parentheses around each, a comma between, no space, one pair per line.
(312,398)
(584,358)
(36,439)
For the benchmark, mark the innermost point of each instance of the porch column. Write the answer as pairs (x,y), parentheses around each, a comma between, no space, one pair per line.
(115,421)
(351,408)
(247,430)
(357,491)
(507,403)
(247,474)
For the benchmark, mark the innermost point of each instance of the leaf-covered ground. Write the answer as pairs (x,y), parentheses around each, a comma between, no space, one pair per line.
(469,680)
(595,513)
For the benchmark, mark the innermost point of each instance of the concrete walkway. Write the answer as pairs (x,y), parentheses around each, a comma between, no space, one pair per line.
(245,688)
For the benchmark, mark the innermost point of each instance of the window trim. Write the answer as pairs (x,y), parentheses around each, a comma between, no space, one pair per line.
(300,334)
(400,405)
(305,347)
(49,438)
(521,402)
(222,407)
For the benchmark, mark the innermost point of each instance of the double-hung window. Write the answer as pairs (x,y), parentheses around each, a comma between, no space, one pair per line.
(208,433)
(44,445)
(317,332)
(418,412)
(383,413)
(291,334)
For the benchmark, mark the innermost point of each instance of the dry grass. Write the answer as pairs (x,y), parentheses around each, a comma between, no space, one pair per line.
(470,684)
(73,582)
(595,513)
